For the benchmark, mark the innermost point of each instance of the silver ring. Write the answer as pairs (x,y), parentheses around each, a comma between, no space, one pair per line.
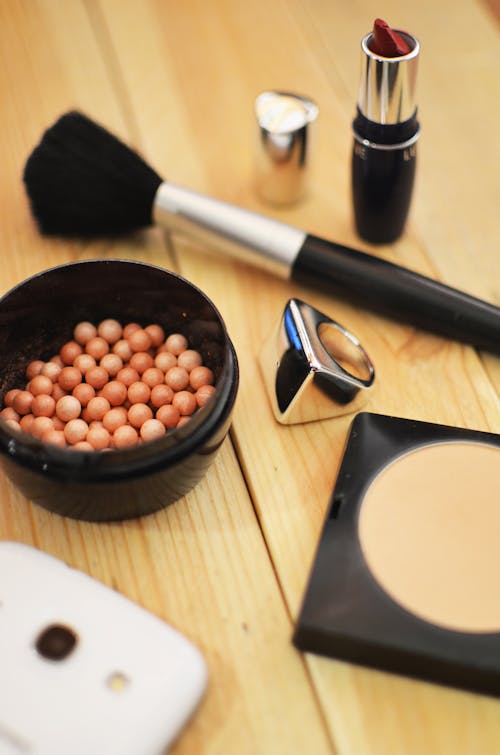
(313,367)
(386,147)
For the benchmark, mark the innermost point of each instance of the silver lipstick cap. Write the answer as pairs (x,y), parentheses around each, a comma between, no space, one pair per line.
(388,85)
(284,134)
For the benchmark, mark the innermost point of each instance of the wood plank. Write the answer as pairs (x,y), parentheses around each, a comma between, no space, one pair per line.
(204,65)
(202,564)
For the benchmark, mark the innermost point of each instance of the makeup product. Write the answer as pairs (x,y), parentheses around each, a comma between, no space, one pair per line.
(82,181)
(156,385)
(84,669)
(129,480)
(313,368)
(284,121)
(405,577)
(386,131)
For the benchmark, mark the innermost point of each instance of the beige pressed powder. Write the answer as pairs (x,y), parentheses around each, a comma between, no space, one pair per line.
(429,527)
(406,576)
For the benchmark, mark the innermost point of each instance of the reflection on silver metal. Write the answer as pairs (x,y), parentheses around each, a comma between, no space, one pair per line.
(387,91)
(244,235)
(284,144)
(314,368)
(387,147)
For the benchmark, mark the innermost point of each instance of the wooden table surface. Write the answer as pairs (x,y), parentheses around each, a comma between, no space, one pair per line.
(227,565)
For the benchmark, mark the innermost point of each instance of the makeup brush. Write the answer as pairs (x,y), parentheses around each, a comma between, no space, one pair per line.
(82,181)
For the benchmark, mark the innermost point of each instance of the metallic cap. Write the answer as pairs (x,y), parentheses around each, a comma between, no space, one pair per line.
(283,147)
(313,368)
(387,88)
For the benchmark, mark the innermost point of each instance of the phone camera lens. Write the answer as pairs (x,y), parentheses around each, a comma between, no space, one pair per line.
(56,642)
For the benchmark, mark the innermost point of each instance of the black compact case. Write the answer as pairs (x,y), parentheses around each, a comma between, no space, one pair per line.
(347,614)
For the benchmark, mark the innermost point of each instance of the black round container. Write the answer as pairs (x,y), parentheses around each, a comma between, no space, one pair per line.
(38,316)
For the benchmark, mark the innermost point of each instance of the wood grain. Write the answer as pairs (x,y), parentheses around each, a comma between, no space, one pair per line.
(418,375)
(202,564)
(228,565)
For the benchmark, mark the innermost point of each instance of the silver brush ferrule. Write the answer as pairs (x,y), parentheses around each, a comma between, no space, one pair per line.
(242,234)
(387,88)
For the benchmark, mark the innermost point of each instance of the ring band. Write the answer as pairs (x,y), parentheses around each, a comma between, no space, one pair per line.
(387,147)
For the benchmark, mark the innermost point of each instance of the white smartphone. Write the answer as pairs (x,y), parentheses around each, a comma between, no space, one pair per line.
(84,670)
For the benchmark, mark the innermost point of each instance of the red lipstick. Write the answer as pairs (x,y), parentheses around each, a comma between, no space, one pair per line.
(387,42)
(385,132)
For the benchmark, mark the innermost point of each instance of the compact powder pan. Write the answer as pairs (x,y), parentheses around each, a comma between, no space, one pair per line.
(407,573)
(438,558)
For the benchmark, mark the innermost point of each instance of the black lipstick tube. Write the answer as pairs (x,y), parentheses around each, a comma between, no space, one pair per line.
(384,153)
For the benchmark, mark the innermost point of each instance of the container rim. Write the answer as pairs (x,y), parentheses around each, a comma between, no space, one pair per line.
(135,461)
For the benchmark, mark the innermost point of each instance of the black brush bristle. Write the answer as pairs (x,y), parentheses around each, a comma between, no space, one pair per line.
(83,181)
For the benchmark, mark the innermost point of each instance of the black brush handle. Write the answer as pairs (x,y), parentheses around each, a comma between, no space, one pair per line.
(398,292)
(356,276)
